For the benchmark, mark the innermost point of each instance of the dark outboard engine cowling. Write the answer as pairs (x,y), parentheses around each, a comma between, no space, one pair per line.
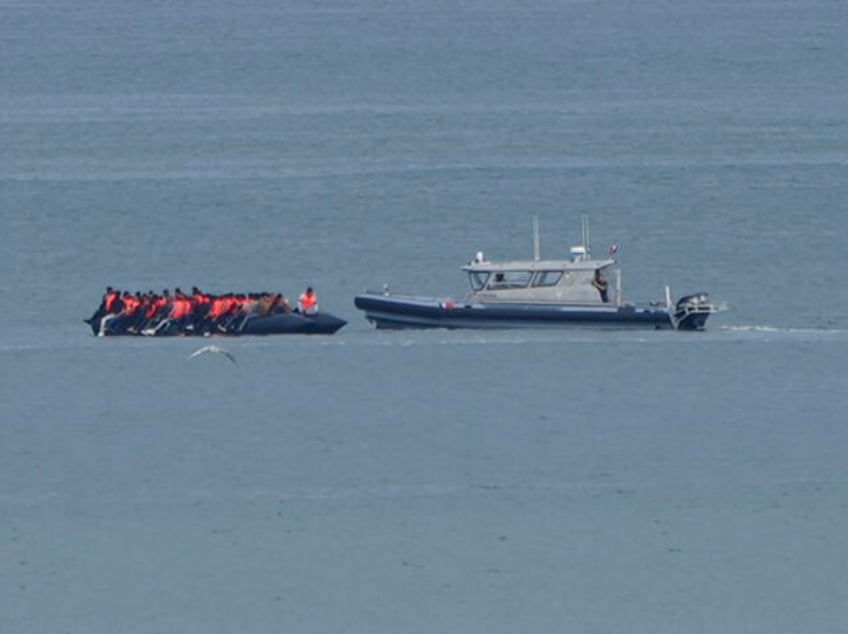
(691,311)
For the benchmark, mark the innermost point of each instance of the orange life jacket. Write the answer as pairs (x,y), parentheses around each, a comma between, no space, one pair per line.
(131,303)
(307,301)
(182,307)
(109,300)
(151,308)
(219,305)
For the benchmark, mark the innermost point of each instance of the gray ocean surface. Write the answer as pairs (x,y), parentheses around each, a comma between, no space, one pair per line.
(424,481)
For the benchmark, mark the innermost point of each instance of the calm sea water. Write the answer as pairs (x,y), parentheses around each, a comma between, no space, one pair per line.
(424,481)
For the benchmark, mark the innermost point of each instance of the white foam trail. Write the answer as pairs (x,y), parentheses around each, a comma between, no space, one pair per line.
(775,329)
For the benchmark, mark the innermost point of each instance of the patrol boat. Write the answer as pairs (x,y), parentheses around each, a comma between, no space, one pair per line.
(538,293)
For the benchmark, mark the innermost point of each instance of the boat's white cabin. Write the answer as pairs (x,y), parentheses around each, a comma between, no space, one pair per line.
(542,281)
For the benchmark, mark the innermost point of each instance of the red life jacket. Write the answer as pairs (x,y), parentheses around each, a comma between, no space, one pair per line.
(307,301)
(131,303)
(218,307)
(151,307)
(181,308)
(109,300)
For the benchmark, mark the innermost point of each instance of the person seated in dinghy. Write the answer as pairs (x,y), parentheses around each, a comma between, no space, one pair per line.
(109,298)
(117,323)
(166,305)
(182,316)
(177,317)
(222,310)
(230,320)
(248,306)
(157,313)
(136,321)
(149,307)
(200,303)
(280,305)
(307,304)
(259,305)
(262,307)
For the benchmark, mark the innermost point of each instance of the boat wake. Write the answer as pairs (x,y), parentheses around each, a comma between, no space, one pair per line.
(764,328)
(73,340)
(761,333)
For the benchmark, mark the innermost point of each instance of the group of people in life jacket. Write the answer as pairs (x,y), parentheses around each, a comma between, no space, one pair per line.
(195,313)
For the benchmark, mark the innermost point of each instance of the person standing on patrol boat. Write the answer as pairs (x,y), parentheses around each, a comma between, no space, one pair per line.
(307,303)
(600,282)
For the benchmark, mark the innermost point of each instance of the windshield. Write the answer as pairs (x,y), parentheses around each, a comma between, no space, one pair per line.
(547,278)
(478,279)
(510,279)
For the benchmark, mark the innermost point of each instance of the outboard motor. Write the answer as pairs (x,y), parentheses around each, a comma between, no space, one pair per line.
(691,311)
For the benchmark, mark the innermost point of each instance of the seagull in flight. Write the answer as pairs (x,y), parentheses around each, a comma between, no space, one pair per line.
(214,350)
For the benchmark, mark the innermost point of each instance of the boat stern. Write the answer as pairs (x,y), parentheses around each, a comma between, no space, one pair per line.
(692,311)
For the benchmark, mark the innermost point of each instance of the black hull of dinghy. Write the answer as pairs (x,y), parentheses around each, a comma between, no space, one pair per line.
(279,324)
(395,312)
(293,324)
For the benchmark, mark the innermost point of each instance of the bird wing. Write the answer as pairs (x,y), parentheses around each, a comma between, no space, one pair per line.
(214,349)
(197,353)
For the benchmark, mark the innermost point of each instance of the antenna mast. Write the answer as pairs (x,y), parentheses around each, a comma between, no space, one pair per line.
(536,249)
(585,227)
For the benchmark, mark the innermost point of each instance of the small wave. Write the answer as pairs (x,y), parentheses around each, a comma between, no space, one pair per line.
(777,329)
(749,328)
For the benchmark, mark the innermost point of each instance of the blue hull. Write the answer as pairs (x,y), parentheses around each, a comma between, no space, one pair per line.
(397,311)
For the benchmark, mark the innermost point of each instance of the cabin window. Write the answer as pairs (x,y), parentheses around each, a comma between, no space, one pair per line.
(478,279)
(547,278)
(510,279)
